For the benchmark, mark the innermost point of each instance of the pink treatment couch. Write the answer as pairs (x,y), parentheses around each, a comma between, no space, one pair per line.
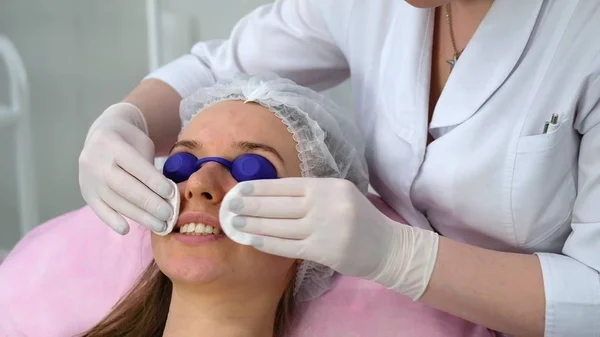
(66,274)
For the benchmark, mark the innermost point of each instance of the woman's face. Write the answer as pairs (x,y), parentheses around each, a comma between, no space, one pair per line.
(428,3)
(228,130)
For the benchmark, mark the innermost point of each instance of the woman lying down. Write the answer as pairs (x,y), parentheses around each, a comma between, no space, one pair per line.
(201,283)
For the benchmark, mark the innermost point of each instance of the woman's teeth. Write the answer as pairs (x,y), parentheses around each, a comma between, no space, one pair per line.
(198,229)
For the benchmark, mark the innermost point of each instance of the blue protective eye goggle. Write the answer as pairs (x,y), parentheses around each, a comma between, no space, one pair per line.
(180,166)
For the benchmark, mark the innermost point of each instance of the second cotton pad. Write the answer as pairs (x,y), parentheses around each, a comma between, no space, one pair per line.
(226,217)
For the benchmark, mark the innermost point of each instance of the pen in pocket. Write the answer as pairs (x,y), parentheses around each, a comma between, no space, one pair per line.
(551,125)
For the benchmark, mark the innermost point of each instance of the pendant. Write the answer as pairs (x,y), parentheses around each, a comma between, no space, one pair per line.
(452,61)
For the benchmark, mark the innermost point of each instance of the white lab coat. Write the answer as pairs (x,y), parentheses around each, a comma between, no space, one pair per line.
(490,178)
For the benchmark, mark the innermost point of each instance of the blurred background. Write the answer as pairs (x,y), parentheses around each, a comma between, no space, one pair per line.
(62,62)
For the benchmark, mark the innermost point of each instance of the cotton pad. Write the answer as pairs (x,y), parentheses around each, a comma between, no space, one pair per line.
(226,216)
(174,202)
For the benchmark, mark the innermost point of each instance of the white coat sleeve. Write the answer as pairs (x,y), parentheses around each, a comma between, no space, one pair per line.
(572,280)
(291,38)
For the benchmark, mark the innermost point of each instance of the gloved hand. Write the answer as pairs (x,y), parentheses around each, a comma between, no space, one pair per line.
(117,175)
(331,222)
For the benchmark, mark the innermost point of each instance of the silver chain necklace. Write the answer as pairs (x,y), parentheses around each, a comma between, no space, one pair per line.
(456,55)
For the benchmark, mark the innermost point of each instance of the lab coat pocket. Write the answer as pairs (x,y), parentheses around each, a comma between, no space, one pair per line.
(543,141)
(543,185)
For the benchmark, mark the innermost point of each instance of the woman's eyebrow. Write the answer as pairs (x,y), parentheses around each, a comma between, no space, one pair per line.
(249,146)
(244,146)
(188,144)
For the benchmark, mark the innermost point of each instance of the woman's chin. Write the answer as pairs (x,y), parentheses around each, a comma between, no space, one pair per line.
(192,270)
(198,263)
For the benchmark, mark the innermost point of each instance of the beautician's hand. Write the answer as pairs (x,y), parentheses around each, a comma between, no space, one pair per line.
(331,222)
(116,171)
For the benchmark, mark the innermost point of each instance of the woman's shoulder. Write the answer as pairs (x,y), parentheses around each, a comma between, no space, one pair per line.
(566,41)
(576,25)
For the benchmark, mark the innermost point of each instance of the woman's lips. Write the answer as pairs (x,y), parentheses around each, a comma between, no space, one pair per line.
(197,218)
(194,240)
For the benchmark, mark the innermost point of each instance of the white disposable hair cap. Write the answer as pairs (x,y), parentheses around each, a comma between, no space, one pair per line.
(328,143)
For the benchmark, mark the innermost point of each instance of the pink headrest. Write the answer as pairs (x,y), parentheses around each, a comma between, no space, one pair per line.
(66,274)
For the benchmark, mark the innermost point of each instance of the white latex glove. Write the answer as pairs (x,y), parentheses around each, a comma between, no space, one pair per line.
(329,221)
(117,175)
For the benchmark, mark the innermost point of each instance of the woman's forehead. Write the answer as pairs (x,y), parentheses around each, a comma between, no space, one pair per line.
(233,121)
(237,114)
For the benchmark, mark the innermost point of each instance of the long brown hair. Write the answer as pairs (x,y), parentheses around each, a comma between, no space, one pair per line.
(144,309)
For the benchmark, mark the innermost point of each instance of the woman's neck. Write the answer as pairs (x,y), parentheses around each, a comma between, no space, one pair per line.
(195,313)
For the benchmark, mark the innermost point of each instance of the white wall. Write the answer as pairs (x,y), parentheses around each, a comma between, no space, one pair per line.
(82,56)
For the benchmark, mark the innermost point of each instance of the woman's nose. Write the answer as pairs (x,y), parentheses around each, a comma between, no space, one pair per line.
(209,184)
